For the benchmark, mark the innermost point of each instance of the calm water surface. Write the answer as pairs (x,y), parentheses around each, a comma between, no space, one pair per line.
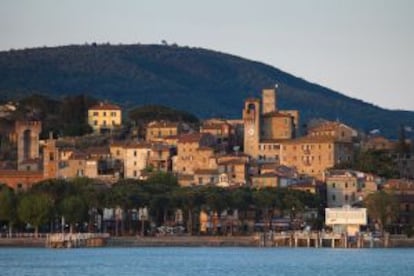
(206,261)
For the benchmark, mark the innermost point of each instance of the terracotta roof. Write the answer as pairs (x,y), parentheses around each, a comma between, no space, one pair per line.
(265,175)
(205,149)
(325,126)
(206,171)
(159,124)
(185,177)
(233,162)
(30,161)
(98,150)
(5,173)
(312,139)
(105,106)
(190,138)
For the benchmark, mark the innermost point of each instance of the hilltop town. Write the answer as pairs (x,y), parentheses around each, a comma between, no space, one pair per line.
(329,163)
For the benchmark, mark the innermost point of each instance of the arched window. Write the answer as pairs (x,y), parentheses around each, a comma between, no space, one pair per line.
(27,143)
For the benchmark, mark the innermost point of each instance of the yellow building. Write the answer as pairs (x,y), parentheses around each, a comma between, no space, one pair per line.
(157,131)
(104,117)
(313,155)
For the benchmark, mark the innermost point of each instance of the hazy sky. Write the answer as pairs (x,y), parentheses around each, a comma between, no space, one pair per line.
(361,48)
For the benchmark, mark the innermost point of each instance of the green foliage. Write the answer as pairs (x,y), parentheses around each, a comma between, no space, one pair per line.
(35,209)
(373,161)
(66,117)
(160,193)
(148,113)
(8,205)
(382,207)
(204,82)
(74,209)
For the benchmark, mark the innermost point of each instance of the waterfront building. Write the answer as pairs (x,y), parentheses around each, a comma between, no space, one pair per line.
(346,219)
(403,189)
(348,187)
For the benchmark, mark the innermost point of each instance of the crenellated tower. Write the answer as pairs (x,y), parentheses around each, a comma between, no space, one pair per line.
(251,120)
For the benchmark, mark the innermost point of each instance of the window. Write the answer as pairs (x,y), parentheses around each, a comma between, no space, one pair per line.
(333,197)
(333,185)
(113,114)
(95,123)
(104,122)
(200,181)
(346,184)
(135,153)
(104,113)
(135,173)
(95,113)
(51,156)
(346,197)
(113,122)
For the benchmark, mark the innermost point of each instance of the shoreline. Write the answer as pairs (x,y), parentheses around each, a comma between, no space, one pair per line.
(178,241)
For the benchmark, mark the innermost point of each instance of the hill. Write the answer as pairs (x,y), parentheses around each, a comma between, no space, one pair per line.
(203,82)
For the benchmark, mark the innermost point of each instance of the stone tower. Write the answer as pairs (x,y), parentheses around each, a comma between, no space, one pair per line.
(50,158)
(27,133)
(269,100)
(251,120)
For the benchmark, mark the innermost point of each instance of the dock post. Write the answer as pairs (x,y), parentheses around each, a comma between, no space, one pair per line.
(333,242)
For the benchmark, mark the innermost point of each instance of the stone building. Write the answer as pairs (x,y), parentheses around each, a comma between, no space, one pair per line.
(195,151)
(158,130)
(338,131)
(348,187)
(266,127)
(313,155)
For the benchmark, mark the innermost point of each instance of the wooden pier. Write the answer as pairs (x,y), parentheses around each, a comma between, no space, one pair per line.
(74,240)
(319,239)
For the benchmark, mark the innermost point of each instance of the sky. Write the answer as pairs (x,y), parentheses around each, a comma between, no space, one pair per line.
(360,48)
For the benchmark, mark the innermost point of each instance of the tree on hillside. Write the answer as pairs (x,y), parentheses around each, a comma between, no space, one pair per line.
(35,209)
(145,114)
(382,208)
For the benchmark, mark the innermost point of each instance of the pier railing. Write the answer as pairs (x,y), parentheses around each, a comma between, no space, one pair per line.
(59,240)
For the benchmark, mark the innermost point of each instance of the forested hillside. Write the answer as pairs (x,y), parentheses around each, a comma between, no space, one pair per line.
(200,81)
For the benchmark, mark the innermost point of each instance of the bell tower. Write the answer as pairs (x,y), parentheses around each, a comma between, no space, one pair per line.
(27,133)
(50,158)
(251,120)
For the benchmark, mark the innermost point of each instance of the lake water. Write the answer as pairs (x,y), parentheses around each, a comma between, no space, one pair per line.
(206,261)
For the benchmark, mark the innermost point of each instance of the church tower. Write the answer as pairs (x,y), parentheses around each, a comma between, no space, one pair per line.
(251,119)
(50,158)
(27,133)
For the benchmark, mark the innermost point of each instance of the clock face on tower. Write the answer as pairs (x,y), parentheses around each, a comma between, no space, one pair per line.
(250,131)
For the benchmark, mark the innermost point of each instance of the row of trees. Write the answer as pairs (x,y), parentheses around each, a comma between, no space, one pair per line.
(46,202)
